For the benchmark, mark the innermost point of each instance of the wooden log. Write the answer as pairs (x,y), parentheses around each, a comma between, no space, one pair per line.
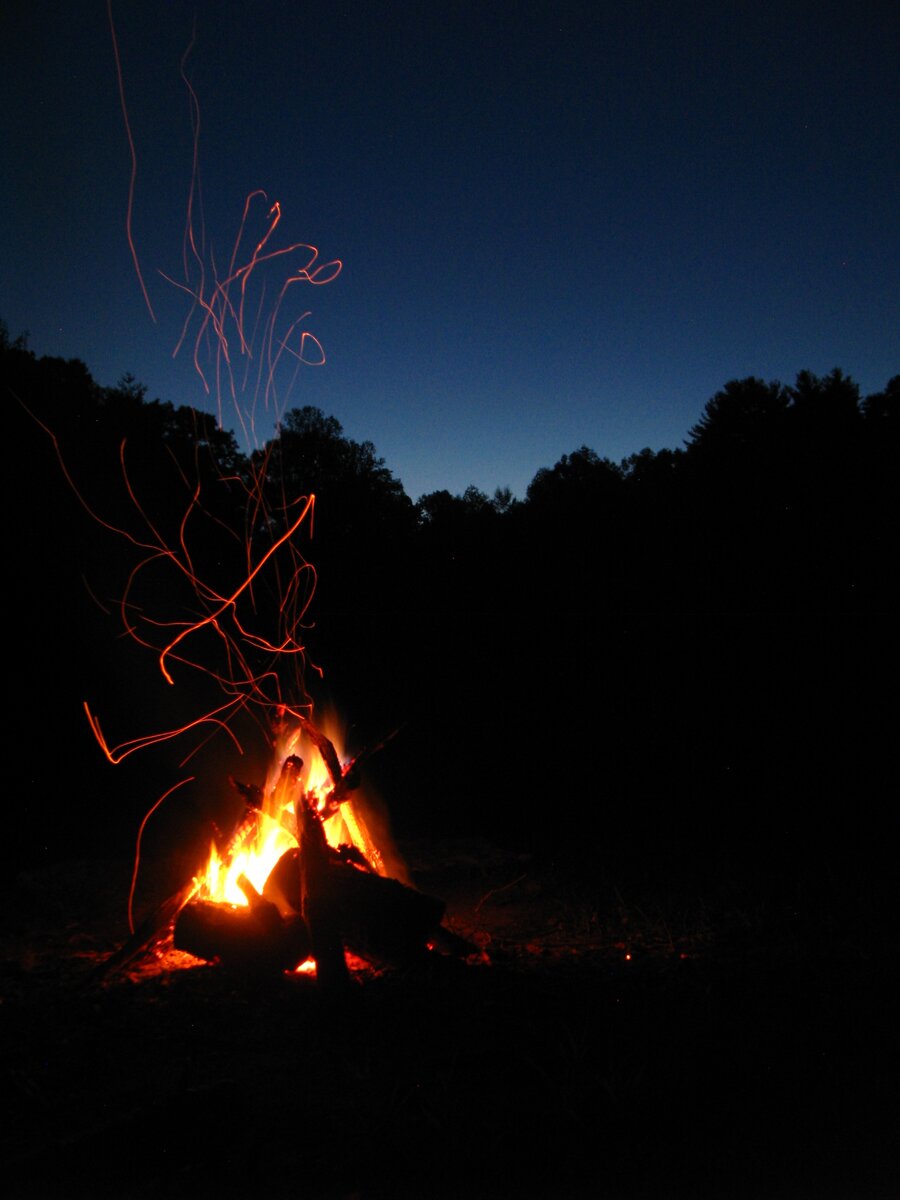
(454,946)
(344,779)
(317,905)
(154,931)
(379,919)
(255,939)
(150,934)
(326,750)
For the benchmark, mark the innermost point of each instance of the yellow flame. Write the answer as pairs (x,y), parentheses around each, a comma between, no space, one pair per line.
(262,840)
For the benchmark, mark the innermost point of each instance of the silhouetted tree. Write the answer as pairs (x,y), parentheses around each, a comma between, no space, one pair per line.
(435,508)
(882,409)
(877,499)
(830,402)
(356,491)
(655,528)
(503,500)
(571,530)
(464,548)
(651,468)
(362,513)
(747,415)
(577,480)
(359,549)
(737,464)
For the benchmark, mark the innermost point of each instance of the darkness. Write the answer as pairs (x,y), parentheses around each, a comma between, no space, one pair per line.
(672,674)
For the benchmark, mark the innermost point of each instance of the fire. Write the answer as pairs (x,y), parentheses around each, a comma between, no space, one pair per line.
(298,774)
(229,630)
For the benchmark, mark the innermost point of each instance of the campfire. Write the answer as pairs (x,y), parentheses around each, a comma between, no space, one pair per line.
(301,884)
(301,881)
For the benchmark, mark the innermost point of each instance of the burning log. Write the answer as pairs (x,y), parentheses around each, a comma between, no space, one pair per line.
(317,903)
(346,779)
(317,911)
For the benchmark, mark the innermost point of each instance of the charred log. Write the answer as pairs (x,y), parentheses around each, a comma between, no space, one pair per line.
(252,939)
(150,934)
(379,919)
(252,794)
(344,779)
(447,942)
(317,905)
(326,749)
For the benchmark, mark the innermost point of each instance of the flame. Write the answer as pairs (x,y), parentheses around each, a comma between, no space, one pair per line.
(270,831)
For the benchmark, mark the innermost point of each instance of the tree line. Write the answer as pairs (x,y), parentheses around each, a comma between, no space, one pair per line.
(708,599)
(781,499)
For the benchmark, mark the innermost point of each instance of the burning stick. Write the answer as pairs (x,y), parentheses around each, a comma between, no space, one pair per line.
(317,903)
(150,934)
(157,927)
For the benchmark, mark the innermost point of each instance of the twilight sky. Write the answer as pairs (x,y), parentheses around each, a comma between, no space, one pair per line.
(561,224)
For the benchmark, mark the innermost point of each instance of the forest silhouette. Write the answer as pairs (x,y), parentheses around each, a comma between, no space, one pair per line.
(679,661)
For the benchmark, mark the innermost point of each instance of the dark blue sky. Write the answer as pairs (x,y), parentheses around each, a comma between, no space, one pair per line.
(561,223)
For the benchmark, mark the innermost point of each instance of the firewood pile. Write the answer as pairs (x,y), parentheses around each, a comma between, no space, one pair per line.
(318,902)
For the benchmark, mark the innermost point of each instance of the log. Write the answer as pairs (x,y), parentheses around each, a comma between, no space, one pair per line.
(326,750)
(317,904)
(255,939)
(379,919)
(344,779)
(155,929)
(454,946)
(150,934)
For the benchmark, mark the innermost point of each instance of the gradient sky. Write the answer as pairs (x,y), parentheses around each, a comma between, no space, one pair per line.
(561,224)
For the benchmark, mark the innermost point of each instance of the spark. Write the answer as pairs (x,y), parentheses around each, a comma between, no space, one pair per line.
(133,176)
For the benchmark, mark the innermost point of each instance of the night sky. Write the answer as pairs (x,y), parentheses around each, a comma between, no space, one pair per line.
(561,224)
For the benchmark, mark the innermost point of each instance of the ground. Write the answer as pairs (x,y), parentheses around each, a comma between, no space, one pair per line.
(604,1039)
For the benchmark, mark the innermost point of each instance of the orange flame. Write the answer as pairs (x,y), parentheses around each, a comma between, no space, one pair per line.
(271,830)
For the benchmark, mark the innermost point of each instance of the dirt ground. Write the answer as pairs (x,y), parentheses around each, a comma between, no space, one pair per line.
(597,1042)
